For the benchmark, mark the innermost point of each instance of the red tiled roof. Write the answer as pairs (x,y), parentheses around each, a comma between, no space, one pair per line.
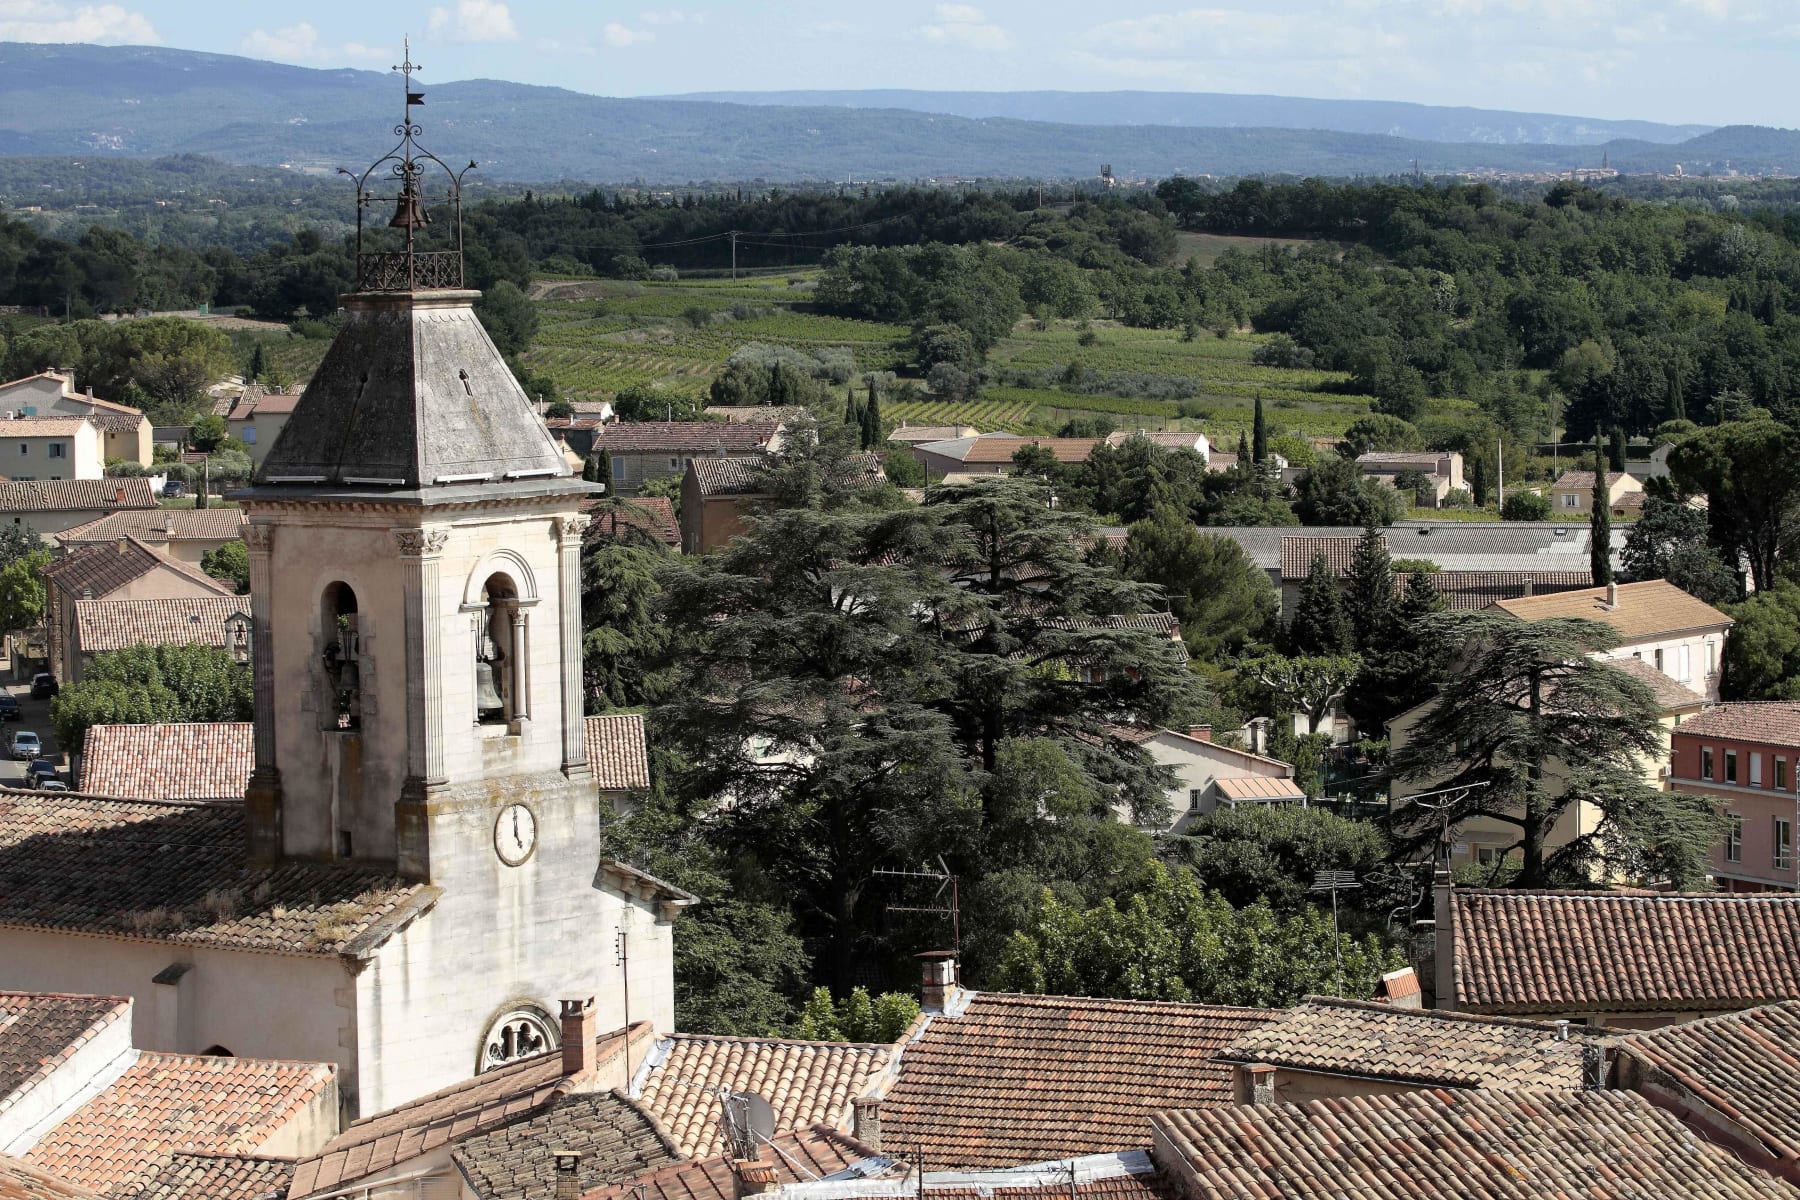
(1002,449)
(104,569)
(804,1082)
(77,862)
(154,526)
(1671,694)
(1379,1041)
(194,1176)
(618,753)
(1644,610)
(168,1102)
(444,1117)
(1297,552)
(1478,589)
(738,474)
(198,761)
(1023,1079)
(684,437)
(1611,952)
(1584,480)
(654,514)
(1452,1145)
(818,1151)
(171,621)
(42,426)
(1773,721)
(616,1139)
(39,1030)
(64,495)
(19,1180)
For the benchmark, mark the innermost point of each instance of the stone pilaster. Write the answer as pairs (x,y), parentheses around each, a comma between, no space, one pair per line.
(420,553)
(262,797)
(568,535)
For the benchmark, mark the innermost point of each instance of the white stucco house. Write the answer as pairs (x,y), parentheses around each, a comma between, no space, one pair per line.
(1209,775)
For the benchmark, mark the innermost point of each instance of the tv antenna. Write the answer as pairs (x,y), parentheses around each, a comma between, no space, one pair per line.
(945,881)
(1335,882)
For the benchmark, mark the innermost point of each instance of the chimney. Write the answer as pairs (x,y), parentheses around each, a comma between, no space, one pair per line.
(169,523)
(1593,1067)
(1612,595)
(1200,733)
(1254,1083)
(124,546)
(753,1177)
(579,1054)
(568,1173)
(118,495)
(1444,941)
(865,1121)
(1562,1030)
(938,978)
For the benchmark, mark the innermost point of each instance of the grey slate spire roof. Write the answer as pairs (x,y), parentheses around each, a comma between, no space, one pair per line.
(412,394)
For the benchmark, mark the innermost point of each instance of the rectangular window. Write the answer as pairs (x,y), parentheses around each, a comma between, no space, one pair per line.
(1731,766)
(1711,665)
(56,449)
(249,435)
(1194,795)
(24,449)
(1781,774)
(1570,500)
(1706,766)
(1487,856)
(1687,663)
(1784,843)
(1734,838)
(1659,660)
(1755,769)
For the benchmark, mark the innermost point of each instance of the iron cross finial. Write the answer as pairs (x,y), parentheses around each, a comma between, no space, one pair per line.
(407,65)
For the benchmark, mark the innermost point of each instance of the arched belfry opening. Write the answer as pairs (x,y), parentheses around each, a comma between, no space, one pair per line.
(502,680)
(341,656)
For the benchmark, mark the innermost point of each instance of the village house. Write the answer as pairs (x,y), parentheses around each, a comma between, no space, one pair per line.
(204,619)
(1572,495)
(126,433)
(714,492)
(1745,757)
(642,451)
(1629,959)
(51,448)
(257,416)
(126,570)
(1657,623)
(183,534)
(48,507)
(82,1102)
(1210,775)
(992,453)
(1439,472)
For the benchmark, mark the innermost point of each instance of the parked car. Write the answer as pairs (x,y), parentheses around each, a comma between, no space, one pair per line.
(9,707)
(44,686)
(25,746)
(40,770)
(174,490)
(53,785)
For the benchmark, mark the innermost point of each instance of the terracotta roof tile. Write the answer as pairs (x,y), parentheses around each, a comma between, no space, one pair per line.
(20,1180)
(1383,461)
(159,526)
(103,569)
(1556,952)
(818,1151)
(168,1102)
(804,1082)
(1297,552)
(1001,449)
(654,514)
(176,873)
(448,1115)
(42,426)
(615,1138)
(1670,693)
(1745,1066)
(1379,1041)
(1453,1145)
(1772,721)
(1023,1079)
(618,753)
(732,475)
(1584,480)
(684,437)
(176,621)
(195,1176)
(1464,590)
(1644,610)
(197,761)
(63,495)
(39,1030)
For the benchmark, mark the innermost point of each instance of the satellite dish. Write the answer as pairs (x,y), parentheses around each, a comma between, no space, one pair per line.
(748,1121)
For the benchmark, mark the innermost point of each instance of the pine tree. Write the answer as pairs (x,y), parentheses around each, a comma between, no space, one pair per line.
(1600,524)
(1319,627)
(1259,438)
(1369,600)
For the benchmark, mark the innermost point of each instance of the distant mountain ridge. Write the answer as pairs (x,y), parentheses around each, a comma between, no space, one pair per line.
(1226,110)
(151,101)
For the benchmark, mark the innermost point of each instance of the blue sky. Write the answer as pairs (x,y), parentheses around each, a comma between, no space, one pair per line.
(1711,61)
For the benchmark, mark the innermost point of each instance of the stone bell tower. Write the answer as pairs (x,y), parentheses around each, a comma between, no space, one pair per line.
(415,540)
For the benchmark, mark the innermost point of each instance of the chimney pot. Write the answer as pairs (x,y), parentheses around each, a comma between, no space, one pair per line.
(1562,1030)
(1200,733)
(118,495)
(1262,1083)
(865,1121)
(753,1177)
(579,1054)
(1612,595)
(568,1173)
(937,978)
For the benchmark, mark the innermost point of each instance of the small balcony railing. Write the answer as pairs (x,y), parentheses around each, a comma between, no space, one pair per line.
(397,271)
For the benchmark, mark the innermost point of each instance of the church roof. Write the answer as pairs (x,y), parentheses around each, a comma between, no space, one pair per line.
(615,1138)
(412,394)
(197,760)
(40,1030)
(176,872)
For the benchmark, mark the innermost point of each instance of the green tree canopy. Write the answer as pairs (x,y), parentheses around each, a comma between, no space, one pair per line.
(1745,469)
(1762,655)
(145,685)
(1669,541)
(1319,625)
(229,563)
(1223,601)
(1335,492)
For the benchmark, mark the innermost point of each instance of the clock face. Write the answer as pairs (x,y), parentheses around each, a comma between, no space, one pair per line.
(515,834)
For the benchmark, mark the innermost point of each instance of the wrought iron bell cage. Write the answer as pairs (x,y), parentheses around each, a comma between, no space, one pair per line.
(408,165)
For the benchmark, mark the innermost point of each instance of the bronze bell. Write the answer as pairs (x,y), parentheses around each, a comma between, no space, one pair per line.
(410,212)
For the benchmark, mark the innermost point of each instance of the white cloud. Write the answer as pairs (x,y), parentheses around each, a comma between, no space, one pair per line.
(967,26)
(618,35)
(42,21)
(474,21)
(301,43)
(672,16)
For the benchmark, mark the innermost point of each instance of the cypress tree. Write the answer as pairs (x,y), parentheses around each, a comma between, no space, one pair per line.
(1319,626)
(1600,523)
(1478,479)
(871,421)
(1244,459)
(1259,436)
(1615,451)
(257,366)
(852,414)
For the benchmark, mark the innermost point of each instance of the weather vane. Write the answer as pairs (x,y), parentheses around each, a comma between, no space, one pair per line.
(407,164)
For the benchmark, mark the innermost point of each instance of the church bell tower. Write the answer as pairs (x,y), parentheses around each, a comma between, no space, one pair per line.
(415,542)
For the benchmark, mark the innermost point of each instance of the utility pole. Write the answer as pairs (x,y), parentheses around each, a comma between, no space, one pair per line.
(622,959)
(734,256)
(1500,461)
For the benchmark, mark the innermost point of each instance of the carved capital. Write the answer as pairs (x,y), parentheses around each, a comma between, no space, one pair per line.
(257,537)
(417,542)
(572,527)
